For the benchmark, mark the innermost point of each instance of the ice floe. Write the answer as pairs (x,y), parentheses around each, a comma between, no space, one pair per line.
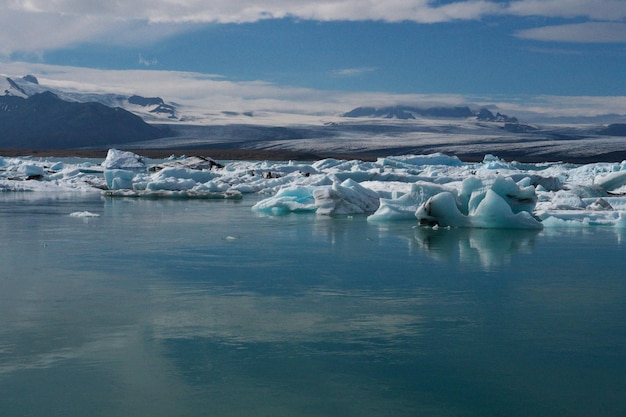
(432,191)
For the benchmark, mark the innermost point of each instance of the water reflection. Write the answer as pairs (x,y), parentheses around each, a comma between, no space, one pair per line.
(489,248)
(146,311)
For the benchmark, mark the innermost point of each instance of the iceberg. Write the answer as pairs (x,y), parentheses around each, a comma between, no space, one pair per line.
(504,205)
(405,206)
(433,190)
(119,179)
(349,197)
(289,199)
(117,159)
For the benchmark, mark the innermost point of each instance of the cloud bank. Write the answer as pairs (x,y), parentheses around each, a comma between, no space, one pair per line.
(208,94)
(37,25)
(588,32)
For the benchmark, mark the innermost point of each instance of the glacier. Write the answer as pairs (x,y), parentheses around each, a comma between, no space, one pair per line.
(429,191)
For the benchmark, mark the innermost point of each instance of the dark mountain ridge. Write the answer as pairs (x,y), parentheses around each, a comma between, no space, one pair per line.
(411,112)
(45,121)
(159,105)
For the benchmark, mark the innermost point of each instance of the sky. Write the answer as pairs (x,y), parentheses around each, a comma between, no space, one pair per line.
(521,52)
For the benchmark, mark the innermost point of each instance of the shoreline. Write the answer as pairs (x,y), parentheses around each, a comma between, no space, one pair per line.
(214,153)
(283,155)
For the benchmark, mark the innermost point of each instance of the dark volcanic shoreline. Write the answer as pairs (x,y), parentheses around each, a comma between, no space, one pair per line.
(283,155)
(234,154)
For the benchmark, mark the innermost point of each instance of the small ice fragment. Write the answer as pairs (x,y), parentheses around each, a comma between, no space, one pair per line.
(84,214)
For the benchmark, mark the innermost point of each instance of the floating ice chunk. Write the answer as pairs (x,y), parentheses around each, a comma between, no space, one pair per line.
(173,179)
(405,206)
(621,221)
(420,160)
(348,197)
(213,186)
(551,222)
(518,198)
(492,162)
(117,159)
(442,210)
(567,200)
(171,184)
(192,162)
(84,214)
(470,186)
(32,171)
(600,205)
(611,181)
(289,199)
(578,219)
(330,164)
(119,179)
(58,166)
(549,183)
(176,194)
(494,212)
(184,173)
(491,212)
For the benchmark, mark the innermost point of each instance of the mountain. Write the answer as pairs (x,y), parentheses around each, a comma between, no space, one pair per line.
(614,129)
(45,121)
(487,116)
(8,87)
(154,105)
(151,109)
(412,112)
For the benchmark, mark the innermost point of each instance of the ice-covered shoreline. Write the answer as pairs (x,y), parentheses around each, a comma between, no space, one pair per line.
(434,190)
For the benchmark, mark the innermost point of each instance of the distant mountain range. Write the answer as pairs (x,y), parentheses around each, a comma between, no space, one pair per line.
(412,112)
(151,109)
(41,117)
(45,121)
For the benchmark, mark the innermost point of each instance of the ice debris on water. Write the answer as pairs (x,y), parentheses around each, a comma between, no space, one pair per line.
(84,214)
(433,191)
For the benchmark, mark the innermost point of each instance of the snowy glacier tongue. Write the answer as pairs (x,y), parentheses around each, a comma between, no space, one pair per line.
(434,190)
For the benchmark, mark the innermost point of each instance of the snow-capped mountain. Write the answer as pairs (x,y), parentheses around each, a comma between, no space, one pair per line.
(151,109)
(467,131)
(34,117)
(437,112)
(8,87)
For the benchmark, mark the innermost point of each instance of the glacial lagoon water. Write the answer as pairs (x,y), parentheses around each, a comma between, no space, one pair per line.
(206,308)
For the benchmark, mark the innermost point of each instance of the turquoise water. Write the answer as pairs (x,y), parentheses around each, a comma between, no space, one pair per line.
(205,308)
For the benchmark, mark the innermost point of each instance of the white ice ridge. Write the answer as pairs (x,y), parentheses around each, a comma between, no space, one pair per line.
(434,190)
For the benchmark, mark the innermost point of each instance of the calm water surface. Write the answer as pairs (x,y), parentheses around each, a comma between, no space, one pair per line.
(204,308)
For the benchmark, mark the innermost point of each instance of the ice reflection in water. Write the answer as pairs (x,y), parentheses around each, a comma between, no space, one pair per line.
(151,309)
(489,248)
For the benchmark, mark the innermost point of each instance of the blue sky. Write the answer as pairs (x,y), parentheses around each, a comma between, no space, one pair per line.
(515,49)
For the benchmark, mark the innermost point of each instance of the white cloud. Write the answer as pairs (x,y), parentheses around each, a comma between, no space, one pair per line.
(237,11)
(353,72)
(34,25)
(420,11)
(213,94)
(588,32)
(604,20)
(23,31)
(595,10)
(38,25)
(147,62)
